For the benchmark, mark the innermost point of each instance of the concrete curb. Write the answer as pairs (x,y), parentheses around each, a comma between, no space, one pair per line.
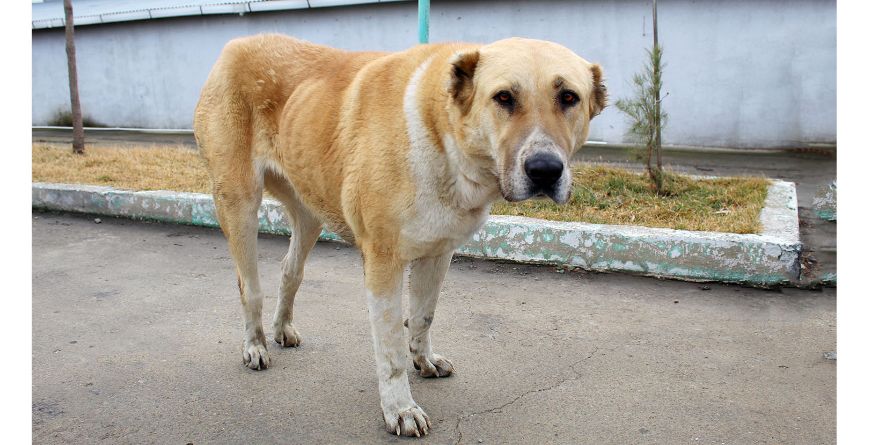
(769,259)
(825,202)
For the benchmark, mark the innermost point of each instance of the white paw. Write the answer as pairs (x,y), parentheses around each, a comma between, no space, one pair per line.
(408,422)
(437,366)
(255,354)
(286,335)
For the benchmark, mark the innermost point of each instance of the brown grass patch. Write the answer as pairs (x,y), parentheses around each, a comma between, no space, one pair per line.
(605,195)
(178,168)
(601,195)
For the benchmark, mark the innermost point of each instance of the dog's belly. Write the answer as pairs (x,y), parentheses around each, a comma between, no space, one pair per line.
(328,213)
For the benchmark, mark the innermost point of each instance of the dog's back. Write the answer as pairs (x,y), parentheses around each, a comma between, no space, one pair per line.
(248,86)
(237,119)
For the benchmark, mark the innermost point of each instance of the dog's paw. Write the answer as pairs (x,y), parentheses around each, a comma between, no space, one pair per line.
(255,354)
(408,422)
(286,335)
(437,366)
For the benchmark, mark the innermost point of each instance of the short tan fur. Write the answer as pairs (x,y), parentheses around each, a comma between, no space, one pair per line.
(400,153)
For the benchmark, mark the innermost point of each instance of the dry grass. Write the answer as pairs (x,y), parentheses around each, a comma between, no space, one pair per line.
(133,168)
(601,195)
(604,195)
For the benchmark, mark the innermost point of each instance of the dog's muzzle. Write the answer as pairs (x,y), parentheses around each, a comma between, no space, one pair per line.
(546,176)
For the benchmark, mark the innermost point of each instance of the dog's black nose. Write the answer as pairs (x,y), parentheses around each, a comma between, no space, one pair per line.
(544,169)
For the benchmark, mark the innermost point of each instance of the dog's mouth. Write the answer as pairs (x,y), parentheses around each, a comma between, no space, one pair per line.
(543,193)
(555,193)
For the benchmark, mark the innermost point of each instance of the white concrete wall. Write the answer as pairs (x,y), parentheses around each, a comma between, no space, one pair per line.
(740,73)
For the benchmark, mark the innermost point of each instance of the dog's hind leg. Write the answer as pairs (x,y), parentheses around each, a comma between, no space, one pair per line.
(305,231)
(237,199)
(383,274)
(425,278)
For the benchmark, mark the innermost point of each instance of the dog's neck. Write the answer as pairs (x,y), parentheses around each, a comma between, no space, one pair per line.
(474,185)
(441,164)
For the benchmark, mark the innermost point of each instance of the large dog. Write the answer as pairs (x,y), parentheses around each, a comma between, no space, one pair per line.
(400,153)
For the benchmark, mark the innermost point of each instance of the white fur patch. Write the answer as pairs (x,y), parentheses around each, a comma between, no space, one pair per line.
(449,192)
(389,341)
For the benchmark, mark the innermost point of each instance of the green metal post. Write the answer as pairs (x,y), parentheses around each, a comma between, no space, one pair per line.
(424,7)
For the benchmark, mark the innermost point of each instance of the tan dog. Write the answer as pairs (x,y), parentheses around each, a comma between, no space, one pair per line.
(400,153)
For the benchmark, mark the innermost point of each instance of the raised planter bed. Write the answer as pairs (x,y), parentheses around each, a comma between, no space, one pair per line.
(767,259)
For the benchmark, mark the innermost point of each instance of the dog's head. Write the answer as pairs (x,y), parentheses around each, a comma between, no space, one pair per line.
(525,105)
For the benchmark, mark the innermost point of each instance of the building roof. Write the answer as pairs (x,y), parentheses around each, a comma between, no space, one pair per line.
(92,12)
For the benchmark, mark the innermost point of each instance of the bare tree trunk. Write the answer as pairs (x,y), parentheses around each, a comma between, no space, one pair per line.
(76,114)
(650,150)
(657,75)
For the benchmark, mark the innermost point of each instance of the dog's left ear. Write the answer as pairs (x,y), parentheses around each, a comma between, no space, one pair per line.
(461,85)
(598,90)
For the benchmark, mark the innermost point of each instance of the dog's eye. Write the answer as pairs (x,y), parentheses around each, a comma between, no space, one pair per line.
(505,99)
(568,98)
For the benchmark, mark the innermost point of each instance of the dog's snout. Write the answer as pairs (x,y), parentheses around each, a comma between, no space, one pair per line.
(544,169)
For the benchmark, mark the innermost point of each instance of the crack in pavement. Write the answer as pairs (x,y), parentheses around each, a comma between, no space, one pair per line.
(498,409)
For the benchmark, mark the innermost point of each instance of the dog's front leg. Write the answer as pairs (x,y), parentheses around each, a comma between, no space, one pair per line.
(425,278)
(384,285)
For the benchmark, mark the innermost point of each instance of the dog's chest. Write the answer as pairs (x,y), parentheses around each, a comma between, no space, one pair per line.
(435,228)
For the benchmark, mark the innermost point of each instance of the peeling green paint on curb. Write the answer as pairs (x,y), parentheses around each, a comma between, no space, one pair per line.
(767,259)
(824,203)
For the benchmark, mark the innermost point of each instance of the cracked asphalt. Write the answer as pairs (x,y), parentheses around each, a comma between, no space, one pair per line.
(137,336)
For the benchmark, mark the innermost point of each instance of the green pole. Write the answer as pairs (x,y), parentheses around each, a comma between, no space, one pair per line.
(424,7)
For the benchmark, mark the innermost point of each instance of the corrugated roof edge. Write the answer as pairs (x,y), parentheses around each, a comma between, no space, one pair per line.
(231,7)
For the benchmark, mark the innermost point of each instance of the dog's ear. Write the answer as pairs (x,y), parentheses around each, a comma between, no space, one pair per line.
(598,91)
(461,85)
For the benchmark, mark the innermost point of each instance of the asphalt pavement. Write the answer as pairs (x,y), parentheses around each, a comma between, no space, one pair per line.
(137,334)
